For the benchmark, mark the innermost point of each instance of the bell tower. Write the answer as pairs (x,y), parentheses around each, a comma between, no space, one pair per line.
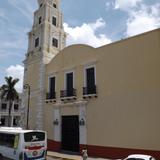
(47,34)
(45,40)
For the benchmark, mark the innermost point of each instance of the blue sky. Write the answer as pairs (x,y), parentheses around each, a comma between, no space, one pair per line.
(99,21)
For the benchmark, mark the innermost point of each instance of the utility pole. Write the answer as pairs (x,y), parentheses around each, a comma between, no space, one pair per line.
(27,86)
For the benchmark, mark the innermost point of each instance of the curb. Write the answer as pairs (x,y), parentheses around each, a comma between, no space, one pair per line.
(61,156)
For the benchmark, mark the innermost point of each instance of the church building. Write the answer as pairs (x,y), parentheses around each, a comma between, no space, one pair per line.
(105,100)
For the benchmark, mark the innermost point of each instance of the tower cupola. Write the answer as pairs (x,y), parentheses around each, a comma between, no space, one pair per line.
(47,34)
(53,3)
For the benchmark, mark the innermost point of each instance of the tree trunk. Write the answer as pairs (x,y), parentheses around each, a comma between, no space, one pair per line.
(9,113)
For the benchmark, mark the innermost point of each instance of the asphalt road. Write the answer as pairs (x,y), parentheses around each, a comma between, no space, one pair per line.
(50,158)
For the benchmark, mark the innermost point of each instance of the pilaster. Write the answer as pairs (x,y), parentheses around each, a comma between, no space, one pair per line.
(83,118)
(57,128)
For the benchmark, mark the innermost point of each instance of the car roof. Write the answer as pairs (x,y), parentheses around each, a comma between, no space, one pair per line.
(139,156)
(16,130)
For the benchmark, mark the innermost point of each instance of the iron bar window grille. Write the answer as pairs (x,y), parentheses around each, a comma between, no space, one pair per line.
(68,93)
(51,95)
(90,90)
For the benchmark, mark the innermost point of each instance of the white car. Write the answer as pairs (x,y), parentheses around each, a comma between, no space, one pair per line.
(139,157)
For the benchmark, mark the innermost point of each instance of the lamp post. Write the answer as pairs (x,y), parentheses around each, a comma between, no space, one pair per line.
(27,86)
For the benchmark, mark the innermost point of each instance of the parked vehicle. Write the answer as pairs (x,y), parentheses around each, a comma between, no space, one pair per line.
(19,144)
(139,157)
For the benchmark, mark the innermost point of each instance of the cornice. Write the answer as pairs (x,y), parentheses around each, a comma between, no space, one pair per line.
(76,103)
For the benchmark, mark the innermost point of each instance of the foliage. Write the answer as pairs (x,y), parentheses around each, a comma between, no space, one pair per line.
(9,93)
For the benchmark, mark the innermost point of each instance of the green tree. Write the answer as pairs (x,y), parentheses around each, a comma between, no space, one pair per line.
(9,93)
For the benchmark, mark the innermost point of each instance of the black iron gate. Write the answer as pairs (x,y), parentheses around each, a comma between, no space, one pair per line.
(70,133)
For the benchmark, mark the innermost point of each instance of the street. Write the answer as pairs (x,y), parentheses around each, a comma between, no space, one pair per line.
(50,158)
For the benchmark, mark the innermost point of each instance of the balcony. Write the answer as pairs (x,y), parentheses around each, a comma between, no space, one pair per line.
(2,110)
(68,94)
(51,97)
(90,91)
(16,112)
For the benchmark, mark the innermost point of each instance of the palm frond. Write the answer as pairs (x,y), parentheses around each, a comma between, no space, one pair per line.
(4,90)
(9,93)
(8,90)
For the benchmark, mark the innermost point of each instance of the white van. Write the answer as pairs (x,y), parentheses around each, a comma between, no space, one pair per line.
(19,144)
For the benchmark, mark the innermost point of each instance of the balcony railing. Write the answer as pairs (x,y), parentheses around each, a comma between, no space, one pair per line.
(90,90)
(68,93)
(50,95)
(4,111)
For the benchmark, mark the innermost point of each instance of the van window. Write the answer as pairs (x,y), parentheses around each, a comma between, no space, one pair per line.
(7,140)
(16,141)
(34,136)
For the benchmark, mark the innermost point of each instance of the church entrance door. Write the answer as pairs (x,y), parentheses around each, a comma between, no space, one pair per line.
(70,133)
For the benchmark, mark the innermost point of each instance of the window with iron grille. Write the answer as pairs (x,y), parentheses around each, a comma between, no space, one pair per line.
(54,5)
(4,106)
(69,83)
(16,106)
(2,120)
(15,122)
(90,87)
(55,42)
(52,81)
(36,42)
(40,20)
(54,21)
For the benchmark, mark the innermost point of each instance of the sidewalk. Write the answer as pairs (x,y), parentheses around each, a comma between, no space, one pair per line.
(57,155)
(63,156)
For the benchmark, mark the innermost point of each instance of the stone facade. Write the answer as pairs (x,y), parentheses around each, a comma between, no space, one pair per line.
(46,39)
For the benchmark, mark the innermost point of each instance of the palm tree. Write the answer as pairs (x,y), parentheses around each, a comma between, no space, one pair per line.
(9,93)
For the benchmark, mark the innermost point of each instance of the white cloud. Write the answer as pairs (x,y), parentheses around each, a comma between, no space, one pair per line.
(145,19)
(141,17)
(86,34)
(126,4)
(108,4)
(16,72)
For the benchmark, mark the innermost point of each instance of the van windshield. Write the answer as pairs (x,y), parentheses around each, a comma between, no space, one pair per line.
(34,136)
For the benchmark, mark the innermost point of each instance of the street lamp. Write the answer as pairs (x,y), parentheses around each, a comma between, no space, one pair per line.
(27,86)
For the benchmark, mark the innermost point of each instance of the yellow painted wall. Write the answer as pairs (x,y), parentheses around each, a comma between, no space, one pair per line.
(49,121)
(127,108)
(126,112)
